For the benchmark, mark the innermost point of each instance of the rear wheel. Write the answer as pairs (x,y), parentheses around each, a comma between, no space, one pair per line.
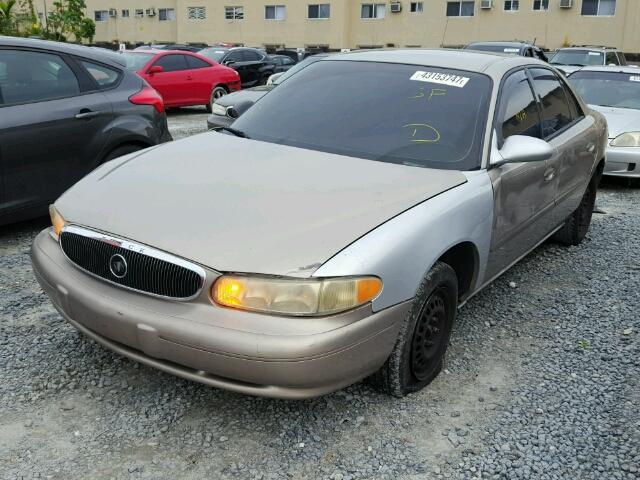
(218,92)
(577,225)
(418,354)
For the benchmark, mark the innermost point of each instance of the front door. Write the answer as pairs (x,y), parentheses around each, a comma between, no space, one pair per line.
(173,82)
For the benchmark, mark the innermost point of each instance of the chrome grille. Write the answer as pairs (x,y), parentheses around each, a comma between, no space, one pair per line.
(131,265)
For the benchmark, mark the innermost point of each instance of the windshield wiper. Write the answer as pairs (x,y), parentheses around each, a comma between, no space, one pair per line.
(235,131)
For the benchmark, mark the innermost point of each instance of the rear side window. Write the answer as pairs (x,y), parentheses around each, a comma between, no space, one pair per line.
(251,56)
(518,113)
(556,114)
(172,63)
(29,77)
(235,56)
(194,62)
(105,77)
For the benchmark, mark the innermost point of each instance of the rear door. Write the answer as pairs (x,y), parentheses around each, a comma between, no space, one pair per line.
(173,83)
(202,78)
(51,119)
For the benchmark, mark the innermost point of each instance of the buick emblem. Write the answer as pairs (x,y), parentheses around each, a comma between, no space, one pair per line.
(118,266)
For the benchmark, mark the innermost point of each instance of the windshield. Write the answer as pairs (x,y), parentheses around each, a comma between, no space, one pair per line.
(487,47)
(580,58)
(135,61)
(608,89)
(297,67)
(214,54)
(406,114)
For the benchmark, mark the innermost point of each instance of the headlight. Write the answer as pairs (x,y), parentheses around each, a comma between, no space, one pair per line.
(57,221)
(297,297)
(629,139)
(218,110)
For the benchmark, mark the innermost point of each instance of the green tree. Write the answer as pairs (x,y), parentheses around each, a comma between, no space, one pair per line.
(6,17)
(67,18)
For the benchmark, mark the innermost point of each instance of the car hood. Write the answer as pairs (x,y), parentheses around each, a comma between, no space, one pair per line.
(238,205)
(253,94)
(620,120)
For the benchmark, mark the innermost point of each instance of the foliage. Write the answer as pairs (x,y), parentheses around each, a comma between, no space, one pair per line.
(7,21)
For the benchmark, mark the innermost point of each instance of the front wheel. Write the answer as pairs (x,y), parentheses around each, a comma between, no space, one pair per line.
(216,93)
(418,354)
(577,225)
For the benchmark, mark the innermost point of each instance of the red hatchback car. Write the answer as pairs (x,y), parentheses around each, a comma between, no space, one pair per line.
(183,78)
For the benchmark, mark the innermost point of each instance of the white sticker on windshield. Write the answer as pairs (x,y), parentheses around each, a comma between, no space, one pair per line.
(634,78)
(594,54)
(511,50)
(440,78)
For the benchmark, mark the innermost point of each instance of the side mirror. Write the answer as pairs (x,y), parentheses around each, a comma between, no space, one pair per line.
(520,148)
(156,69)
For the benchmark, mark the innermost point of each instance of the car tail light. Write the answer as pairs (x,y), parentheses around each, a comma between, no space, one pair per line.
(148,96)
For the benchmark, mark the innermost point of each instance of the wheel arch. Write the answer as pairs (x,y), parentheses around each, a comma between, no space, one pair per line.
(464,259)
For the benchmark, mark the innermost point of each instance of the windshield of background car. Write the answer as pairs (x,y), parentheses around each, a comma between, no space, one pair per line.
(582,58)
(484,47)
(609,89)
(296,68)
(135,61)
(214,54)
(407,114)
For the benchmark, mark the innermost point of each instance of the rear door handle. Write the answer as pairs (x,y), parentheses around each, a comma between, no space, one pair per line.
(86,114)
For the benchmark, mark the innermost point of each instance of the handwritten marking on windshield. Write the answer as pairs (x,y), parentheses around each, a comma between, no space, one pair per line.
(422,130)
(435,92)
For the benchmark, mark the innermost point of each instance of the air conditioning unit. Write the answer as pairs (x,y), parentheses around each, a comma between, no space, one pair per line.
(566,3)
(395,7)
(486,4)
(151,12)
(113,13)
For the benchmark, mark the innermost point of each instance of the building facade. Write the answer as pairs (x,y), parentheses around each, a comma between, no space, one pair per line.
(337,24)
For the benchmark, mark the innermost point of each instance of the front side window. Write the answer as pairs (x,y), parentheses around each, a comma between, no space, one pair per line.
(319,10)
(171,63)
(417,7)
(435,117)
(251,56)
(105,77)
(101,15)
(608,89)
(166,14)
(234,13)
(196,13)
(518,111)
(511,5)
(578,57)
(540,5)
(274,12)
(29,77)
(556,114)
(599,7)
(372,10)
(460,9)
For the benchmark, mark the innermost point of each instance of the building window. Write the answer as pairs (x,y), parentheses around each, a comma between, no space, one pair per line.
(606,8)
(511,5)
(166,14)
(460,9)
(274,12)
(372,10)
(139,12)
(320,10)
(234,13)
(417,7)
(541,4)
(196,13)
(125,13)
(101,15)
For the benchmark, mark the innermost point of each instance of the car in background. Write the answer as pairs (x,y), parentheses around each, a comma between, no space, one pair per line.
(282,62)
(523,49)
(171,46)
(65,110)
(253,65)
(570,59)
(615,92)
(226,109)
(183,78)
(327,238)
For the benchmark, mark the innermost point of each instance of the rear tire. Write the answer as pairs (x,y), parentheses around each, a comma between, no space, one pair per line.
(418,354)
(218,92)
(122,151)
(577,225)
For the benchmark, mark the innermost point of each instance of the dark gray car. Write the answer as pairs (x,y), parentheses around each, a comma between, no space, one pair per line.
(522,49)
(64,110)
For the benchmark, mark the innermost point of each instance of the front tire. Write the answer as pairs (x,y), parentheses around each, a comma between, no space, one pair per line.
(218,92)
(577,225)
(418,354)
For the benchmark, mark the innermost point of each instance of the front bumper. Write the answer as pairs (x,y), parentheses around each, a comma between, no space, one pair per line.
(622,162)
(239,351)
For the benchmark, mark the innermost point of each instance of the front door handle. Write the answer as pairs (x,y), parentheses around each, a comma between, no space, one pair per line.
(86,114)
(189,77)
(549,174)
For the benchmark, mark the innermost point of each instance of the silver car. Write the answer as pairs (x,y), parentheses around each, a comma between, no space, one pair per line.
(291,258)
(615,92)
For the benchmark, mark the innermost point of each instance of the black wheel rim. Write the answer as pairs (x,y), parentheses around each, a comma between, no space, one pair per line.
(429,336)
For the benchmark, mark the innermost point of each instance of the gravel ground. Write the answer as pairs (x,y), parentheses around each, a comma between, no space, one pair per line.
(542,381)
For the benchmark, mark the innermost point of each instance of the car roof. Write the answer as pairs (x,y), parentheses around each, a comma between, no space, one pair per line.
(493,64)
(501,44)
(90,53)
(611,69)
